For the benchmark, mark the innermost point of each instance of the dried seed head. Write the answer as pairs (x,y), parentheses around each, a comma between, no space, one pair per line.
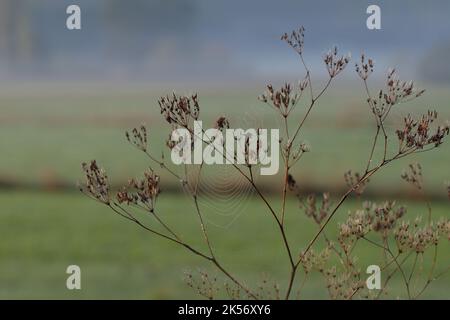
(204,284)
(380,218)
(413,175)
(142,191)
(318,214)
(296,39)
(417,134)
(170,143)
(315,261)
(138,137)
(357,225)
(282,100)
(396,91)
(334,63)
(417,238)
(303,84)
(385,217)
(399,91)
(353,180)
(222,123)
(344,284)
(364,68)
(443,228)
(96,184)
(179,110)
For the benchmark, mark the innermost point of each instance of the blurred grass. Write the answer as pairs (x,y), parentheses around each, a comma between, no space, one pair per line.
(43,233)
(46,135)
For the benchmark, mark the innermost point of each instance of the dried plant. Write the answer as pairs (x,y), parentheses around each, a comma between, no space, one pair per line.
(353,180)
(414,175)
(381,225)
(311,210)
(205,285)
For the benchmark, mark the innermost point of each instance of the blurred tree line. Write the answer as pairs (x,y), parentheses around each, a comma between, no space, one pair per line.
(35,32)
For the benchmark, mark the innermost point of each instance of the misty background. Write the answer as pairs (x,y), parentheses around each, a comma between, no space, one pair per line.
(218,41)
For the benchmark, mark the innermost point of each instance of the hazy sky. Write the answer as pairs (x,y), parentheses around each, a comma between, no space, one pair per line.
(210,40)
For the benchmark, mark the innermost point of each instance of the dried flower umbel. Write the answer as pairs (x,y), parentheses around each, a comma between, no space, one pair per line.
(296,39)
(318,214)
(285,99)
(382,226)
(205,286)
(315,261)
(343,285)
(418,134)
(146,190)
(353,180)
(385,217)
(179,110)
(334,63)
(138,137)
(414,175)
(364,69)
(222,123)
(96,185)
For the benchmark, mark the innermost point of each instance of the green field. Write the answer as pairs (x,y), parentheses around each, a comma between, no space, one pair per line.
(44,233)
(46,134)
